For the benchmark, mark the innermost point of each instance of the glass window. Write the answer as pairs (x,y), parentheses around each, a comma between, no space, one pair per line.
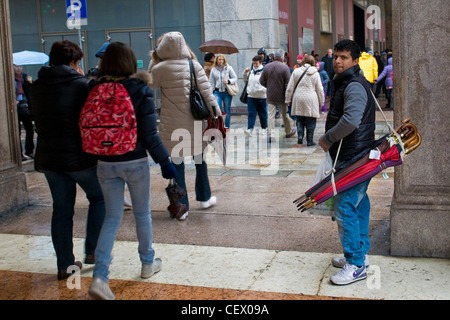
(325,16)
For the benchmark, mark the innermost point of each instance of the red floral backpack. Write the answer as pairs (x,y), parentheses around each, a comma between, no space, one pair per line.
(108,121)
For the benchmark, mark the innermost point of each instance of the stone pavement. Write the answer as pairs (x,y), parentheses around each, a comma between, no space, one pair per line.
(253,244)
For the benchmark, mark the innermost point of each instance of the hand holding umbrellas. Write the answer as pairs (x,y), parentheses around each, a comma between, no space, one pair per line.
(26,57)
(404,140)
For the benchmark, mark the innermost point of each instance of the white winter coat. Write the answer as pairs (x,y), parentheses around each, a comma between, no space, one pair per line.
(172,75)
(254,87)
(306,99)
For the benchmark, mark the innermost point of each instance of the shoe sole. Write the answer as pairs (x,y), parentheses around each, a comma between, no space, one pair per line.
(349,282)
(97,296)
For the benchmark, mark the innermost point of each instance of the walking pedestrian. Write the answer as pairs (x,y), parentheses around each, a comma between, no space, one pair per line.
(275,78)
(208,63)
(170,71)
(58,96)
(328,59)
(23,83)
(325,80)
(369,66)
(256,96)
(222,74)
(389,83)
(305,95)
(351,118)
(119,65)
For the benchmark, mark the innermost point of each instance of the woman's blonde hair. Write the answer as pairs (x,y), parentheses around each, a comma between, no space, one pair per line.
(220,55)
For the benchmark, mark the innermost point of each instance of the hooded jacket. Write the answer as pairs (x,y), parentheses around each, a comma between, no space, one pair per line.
(254,88)
(58,95)
(172,75)
(306,97)
(369,66)
(387,73)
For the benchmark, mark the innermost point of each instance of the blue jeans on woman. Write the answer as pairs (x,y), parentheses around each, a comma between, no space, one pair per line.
(352,210)
(257,106)
(224,98)
(112,177)
(63,187)
(202,187)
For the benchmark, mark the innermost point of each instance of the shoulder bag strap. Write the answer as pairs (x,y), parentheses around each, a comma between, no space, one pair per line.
(301,77)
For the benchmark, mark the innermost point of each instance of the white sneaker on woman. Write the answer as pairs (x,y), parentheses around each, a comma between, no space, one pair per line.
(100,290)
(206,204)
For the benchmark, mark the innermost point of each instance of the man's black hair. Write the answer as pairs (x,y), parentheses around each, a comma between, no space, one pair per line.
(257,58)
(348,45)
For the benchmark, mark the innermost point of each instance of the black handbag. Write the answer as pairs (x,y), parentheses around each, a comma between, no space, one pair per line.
(22,109)
(244,94)
(199,108)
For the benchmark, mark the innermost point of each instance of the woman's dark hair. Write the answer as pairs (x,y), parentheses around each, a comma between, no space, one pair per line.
(118,60)
(349,45)
(257,58)
(64,52)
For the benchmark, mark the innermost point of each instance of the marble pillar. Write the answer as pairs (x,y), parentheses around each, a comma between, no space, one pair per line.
(420,211)
(13,188)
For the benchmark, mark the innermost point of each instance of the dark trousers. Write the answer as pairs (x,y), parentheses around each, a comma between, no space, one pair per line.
(63,187)
(202,187)
(29,131)
(257,106)
(310,124)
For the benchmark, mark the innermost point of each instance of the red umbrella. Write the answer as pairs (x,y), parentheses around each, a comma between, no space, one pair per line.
(215,133)
(404,140)
(218,46)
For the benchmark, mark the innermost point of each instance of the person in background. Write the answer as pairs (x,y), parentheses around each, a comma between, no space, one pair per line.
(221,74)
(170,72)
(324,78)
(256,97)
(275,78)
(389,83)
(209,63)
(305,95)
(369,66)
(58,95)
(351,118)
(299,61)
(263,54)
(328,59)
(23,102)
(119,65)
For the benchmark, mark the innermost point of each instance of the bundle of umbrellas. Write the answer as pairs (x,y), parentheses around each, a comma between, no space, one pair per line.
(392,149)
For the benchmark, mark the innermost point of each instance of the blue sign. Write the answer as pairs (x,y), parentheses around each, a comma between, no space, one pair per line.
(76,13)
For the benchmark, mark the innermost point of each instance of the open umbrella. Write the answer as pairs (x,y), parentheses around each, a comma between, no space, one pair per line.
(218,46)
(392,149)
(26,57)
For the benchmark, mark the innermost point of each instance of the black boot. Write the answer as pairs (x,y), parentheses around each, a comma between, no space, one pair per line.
(309,137)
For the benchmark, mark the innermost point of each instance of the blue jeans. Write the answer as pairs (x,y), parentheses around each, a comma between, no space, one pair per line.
(352,210)
(257,106)
(202,187)
(112,177)
(63,187)
(224,98)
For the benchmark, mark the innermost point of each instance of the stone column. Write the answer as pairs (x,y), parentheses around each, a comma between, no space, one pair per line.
(14,194)
(420,212)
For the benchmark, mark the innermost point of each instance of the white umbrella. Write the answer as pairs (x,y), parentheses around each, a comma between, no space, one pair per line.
(26,57)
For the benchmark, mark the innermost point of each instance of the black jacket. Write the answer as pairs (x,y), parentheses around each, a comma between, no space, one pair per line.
(363,137)
(148,138)
(57,96)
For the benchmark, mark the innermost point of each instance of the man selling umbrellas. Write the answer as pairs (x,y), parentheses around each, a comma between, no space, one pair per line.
(351,118)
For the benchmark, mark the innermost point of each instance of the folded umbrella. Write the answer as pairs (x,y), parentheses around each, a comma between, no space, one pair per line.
(175,193)
(215,134)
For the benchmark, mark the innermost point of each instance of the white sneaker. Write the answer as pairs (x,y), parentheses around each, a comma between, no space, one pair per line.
(148,270)
(349,274)
(206,204)
(127,204)
(184,216)
(263,132)
(248,132)
(340,262)
(100,290)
